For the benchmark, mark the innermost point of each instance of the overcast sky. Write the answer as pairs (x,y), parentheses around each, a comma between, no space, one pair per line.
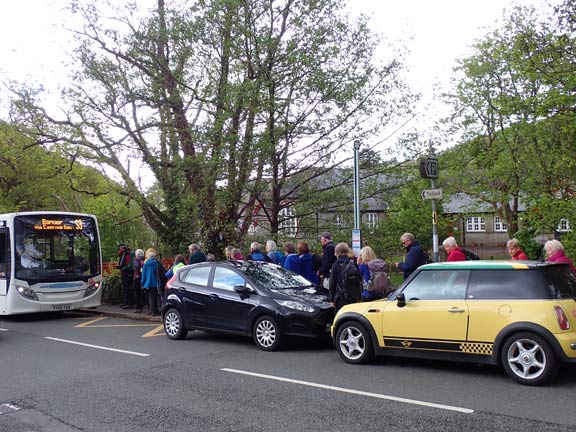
(439,31)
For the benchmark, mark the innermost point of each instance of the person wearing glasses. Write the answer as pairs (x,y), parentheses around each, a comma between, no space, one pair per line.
(415,256)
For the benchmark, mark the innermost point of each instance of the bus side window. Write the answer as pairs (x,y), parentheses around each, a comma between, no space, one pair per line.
(3,255)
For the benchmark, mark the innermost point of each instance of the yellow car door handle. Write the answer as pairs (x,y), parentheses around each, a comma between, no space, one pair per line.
(456,310)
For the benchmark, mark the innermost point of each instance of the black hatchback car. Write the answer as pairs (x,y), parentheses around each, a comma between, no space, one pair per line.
(248,298)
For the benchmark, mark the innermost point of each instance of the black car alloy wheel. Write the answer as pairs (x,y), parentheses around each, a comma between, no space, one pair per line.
(266,333)
(173,324)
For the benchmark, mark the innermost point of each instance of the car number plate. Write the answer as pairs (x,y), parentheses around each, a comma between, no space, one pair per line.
(60,307)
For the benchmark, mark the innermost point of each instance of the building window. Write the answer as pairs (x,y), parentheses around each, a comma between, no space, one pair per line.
(288,223)
(339,222)
(499,225)
(564,225)
(475,224)
(371,220)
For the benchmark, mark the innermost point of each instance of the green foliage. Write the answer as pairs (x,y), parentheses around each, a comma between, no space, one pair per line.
(529,245)
(33,177)
(408,213)
(569,242)
(112,290)
(515,102)
(227,104)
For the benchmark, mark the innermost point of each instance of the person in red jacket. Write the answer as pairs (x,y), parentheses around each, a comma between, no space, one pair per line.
(555,253)
(515,250)
(453,251)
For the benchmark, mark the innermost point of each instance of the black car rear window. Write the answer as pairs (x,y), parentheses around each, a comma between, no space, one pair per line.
(507,284)
(561,281)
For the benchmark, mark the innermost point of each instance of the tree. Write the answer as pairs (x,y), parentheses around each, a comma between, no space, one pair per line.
(223,103)
(33,178)
(514,101)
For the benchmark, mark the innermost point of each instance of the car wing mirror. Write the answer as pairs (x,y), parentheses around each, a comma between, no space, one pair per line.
(243,289)
(401,300)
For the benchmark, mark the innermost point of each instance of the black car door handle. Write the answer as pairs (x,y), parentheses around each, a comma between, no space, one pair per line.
(214,297)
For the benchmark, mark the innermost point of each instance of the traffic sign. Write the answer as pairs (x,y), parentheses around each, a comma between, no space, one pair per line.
(431,194)
(429,168)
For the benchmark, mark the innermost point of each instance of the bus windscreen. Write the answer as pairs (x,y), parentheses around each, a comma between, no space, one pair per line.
(56,248)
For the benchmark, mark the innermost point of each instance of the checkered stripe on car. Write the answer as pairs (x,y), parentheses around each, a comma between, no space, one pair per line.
(477,348)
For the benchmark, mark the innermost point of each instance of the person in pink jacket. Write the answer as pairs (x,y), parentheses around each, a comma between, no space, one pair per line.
(453,251)
(555,253)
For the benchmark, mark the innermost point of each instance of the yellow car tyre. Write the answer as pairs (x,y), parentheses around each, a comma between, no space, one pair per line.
(528,359)
(354,343)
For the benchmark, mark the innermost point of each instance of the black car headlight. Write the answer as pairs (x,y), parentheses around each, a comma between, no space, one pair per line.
(291,304)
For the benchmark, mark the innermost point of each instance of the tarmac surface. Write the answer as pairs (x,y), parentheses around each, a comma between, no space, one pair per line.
(117,312)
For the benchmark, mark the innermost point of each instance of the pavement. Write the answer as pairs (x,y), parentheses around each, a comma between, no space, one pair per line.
(116,311)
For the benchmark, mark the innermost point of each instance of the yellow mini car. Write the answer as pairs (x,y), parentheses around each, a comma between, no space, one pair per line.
(517,314)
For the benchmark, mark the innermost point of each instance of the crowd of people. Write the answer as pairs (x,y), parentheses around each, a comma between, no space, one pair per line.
(345,277)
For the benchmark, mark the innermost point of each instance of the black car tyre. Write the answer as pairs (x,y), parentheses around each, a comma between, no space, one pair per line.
(528,359)
(173,324)
(354,343)
(266,333)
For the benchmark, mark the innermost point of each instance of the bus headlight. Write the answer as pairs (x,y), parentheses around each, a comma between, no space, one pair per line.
(91,289)
(27,293)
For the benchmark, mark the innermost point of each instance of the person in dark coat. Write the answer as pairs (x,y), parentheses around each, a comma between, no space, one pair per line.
(328,258)
(335,291)
(415,256)
(196,254)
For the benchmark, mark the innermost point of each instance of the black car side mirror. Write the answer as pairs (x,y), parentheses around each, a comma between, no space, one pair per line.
(243,289)
(401,299)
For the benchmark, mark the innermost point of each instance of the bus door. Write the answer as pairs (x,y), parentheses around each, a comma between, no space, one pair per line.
(4,260)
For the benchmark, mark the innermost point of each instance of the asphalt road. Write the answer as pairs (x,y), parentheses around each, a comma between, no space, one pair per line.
(85,373)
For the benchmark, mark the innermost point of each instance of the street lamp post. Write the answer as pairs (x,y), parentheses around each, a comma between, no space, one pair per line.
(356,239)
(357,185)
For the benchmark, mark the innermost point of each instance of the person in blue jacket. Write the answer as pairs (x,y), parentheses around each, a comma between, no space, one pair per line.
(256,254)
(150,279)
(292,261)
(415,256)
(306,265)
(274,254)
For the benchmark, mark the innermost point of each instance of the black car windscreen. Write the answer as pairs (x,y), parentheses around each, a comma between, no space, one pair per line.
(274,277)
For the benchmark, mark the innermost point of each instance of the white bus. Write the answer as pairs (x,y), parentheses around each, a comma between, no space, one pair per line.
(49,261)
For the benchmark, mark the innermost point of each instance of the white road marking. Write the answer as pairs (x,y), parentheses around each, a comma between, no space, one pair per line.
(356,392)
(2,329)
(98,347)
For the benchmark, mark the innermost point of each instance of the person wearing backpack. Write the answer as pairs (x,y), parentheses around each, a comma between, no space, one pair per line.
(454,252)
(345,285)
(373,271)
(127,275)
